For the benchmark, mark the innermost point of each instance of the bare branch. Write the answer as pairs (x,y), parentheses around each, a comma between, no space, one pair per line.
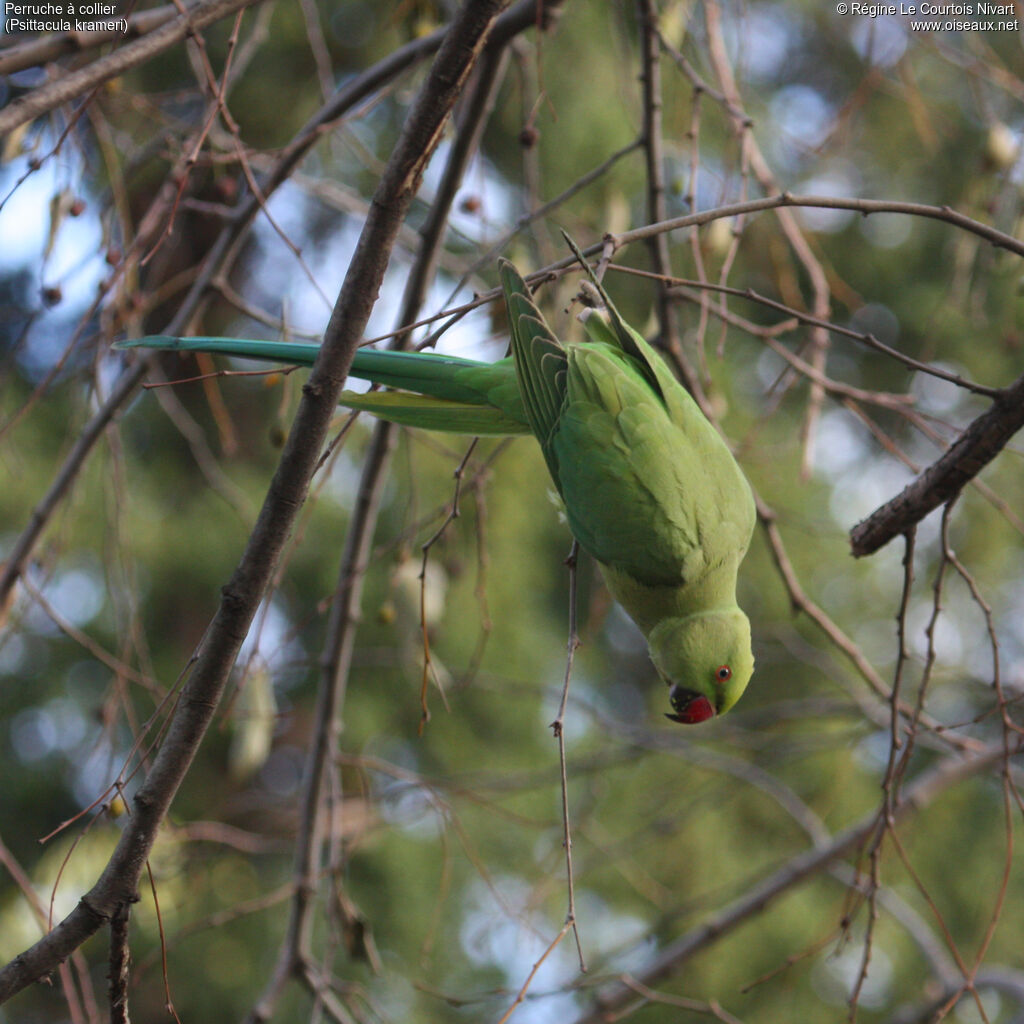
(999,239)
(977,446)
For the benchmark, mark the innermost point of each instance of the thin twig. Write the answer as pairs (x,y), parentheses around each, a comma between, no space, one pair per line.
(451,516)
(558,726)
(521,994)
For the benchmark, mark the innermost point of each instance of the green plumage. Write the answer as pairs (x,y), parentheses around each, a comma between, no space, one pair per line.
(650,488)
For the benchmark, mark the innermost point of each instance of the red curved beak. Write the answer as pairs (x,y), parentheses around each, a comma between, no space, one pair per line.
(690,708)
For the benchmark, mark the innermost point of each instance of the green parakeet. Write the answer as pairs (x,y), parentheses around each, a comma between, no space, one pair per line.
(650,488)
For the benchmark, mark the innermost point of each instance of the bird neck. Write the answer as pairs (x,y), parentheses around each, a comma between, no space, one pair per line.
(648,605)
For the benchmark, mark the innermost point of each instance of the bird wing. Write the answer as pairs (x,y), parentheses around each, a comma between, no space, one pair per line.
(540,361)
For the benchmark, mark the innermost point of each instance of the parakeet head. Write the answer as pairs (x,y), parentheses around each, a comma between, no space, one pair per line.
(706,661)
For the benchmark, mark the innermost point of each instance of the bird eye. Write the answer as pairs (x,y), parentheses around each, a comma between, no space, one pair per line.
(723,674)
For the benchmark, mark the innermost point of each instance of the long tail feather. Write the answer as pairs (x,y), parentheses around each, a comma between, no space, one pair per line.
(288,352)
(426,373)
(438,392)
(422,372)
(430,413)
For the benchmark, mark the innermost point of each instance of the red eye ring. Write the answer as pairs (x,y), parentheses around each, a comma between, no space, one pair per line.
(723,674)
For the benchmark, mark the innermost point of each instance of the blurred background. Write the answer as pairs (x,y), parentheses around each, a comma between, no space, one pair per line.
(445,871)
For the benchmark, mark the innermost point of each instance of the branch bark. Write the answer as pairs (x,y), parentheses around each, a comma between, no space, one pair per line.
(976,447)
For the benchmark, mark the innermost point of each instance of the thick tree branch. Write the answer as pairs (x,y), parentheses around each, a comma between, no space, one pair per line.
(978,445)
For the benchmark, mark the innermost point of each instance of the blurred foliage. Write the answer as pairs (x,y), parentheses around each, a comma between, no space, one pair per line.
(452,839)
